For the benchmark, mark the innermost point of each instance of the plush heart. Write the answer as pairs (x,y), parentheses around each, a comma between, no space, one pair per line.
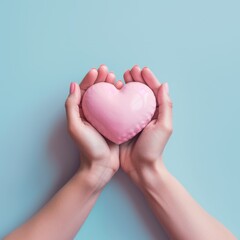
(119,114)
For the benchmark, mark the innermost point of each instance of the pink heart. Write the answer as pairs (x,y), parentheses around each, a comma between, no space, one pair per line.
(119,114)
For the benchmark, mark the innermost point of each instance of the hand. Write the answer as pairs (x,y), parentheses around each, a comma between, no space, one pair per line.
(141,157)
(145,149)
(98,156)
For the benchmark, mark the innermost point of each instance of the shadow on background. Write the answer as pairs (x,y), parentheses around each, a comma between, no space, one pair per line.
(141,206)
(63,154)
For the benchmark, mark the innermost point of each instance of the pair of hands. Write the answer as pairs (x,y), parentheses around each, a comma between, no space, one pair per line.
(101,158)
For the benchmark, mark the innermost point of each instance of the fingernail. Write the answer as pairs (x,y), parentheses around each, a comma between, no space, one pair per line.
(103,66)
(72,88)
(166,87)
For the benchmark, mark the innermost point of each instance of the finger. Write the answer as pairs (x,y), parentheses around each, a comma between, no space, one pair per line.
(88,80)
(151,80)
(72,106)
(127,77)
(164,119)
(111,77)
(136,74)
(119,84)
(102,73)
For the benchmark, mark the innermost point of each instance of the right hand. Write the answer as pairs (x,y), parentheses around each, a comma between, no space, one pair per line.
(145,150)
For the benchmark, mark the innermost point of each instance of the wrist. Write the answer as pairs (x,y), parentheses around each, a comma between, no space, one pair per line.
(150,175)
(94,176)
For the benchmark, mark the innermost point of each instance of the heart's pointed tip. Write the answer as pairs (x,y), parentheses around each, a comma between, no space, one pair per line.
(118,142)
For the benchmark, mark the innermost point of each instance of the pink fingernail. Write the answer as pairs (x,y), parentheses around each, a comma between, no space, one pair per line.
(103,66)
(72,88)
(166,87)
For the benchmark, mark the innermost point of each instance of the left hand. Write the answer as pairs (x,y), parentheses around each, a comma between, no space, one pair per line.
(99,157)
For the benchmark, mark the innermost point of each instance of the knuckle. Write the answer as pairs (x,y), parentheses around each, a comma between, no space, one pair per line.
(67,103)
(170,104)
(166,128)
(170,131)
(71,129)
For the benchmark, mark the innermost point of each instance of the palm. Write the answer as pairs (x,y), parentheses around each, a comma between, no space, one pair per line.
(140,147)
(103,153)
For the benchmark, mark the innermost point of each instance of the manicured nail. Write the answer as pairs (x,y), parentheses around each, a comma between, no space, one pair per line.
(166,87)
(72,88)
(103,66)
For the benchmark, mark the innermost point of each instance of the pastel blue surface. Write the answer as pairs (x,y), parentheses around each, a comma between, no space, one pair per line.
(193,45)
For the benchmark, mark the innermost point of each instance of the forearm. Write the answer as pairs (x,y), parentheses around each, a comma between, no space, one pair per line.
(64,214)
(176,210)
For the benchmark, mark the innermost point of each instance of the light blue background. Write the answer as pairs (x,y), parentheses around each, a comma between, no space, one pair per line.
(193,45)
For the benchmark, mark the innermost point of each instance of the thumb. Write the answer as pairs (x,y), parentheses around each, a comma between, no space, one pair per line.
(164,118)
(72,105)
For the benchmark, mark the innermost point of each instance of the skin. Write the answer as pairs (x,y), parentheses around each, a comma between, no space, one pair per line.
(96,151)
(135,153)
(65,213)
(141,158)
